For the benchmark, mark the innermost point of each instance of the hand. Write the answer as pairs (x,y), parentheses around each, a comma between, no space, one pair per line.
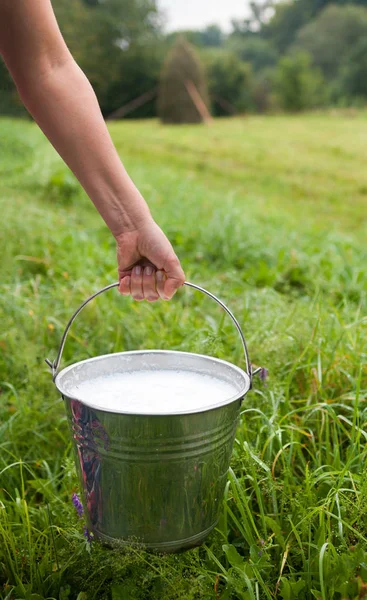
(147,265)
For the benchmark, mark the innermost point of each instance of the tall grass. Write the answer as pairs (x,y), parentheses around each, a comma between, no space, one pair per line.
(270,215)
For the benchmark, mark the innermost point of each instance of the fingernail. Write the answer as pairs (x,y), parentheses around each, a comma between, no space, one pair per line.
(148,270)
(126,281)
(159,276)
(137,270)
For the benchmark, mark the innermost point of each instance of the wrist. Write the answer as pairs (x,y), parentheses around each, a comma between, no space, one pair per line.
(124,210)
(129,223)
(132,221)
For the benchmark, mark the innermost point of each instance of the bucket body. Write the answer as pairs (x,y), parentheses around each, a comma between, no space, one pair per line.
(154,479)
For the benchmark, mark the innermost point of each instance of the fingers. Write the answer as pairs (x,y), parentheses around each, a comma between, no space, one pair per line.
(141,284)
(148,266)
(161,280)
(137,283)
(149,285)
(125,286)
(168,286)
(145,283)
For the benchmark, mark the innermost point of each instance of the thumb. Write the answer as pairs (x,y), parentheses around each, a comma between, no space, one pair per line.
(174,279)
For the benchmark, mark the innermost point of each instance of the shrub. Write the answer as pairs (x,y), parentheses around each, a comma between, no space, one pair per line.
(229,82)
(297,84)
(254,50)
(262,89)
(352,83)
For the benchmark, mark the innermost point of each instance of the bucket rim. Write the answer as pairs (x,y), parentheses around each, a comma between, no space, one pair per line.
(238,396)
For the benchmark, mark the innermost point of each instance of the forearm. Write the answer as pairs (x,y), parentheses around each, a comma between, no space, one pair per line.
(64,105)
(62,101)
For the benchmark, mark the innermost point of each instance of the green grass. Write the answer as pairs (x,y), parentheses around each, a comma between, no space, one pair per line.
(269,214)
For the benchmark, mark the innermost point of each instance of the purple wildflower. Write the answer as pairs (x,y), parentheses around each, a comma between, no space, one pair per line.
(263,374)
(87,534)
(80,510)
(78,505)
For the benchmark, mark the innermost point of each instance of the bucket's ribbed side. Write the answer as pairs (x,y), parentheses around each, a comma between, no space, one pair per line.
(156,479)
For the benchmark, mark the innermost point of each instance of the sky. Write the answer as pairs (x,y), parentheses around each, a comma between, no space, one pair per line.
(195,14)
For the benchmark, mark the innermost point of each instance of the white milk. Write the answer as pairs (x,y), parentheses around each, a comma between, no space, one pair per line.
(154,392)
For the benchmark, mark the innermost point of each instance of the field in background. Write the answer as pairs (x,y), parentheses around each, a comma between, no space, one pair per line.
(269,214)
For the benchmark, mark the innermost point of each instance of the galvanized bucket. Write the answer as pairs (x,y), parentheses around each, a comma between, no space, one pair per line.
(152,479)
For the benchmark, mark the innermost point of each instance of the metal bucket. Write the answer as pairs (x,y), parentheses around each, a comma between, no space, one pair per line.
(154,479)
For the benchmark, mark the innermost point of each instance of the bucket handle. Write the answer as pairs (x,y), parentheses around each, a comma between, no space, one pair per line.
(54,365)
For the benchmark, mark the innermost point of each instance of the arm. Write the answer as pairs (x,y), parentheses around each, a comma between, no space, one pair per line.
(62,102)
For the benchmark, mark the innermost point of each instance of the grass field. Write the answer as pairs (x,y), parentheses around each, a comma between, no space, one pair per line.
(269,214)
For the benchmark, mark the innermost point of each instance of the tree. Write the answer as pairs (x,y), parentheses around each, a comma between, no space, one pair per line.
(253,49)
(331,36)
(260,13)
(353,73)
(229,82)
(290,16)
(211,36)
(193,36)
(175,104)
(118,45)
(298,85)
(318,5)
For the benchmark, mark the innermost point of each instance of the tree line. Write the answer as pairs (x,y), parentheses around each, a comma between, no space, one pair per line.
(290,55)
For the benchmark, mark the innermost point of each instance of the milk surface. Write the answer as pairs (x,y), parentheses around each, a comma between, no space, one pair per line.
(154,392)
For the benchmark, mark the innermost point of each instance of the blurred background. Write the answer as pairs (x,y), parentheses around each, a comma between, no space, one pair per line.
(257,57)
(266,208)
